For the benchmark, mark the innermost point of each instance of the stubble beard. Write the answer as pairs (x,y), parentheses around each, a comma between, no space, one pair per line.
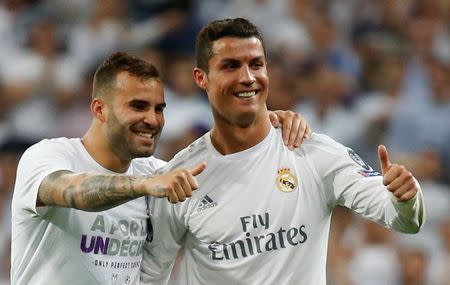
(121,143)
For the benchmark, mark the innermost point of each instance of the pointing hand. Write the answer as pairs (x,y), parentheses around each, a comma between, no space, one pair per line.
(175,185)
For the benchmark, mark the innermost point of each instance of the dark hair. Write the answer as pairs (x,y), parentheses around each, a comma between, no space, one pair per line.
(237,27)
(105,75)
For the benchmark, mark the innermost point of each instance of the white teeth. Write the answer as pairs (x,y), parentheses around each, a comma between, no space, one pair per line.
(246,94)
(147,135)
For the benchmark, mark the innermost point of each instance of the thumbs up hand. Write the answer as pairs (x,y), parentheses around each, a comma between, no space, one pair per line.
(396,177)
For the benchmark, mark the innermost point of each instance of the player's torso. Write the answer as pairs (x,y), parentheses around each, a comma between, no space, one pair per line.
(255,213)
(274,194)
(98,247)
(106,245)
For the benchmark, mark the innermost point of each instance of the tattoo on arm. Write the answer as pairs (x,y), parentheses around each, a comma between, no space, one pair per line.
(159,191)
(87,191)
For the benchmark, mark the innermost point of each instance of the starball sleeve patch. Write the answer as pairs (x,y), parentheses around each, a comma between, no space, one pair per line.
(286,180)
(368,173)
(358,160)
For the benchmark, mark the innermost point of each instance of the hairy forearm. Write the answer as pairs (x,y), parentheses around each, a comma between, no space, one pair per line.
(87,191)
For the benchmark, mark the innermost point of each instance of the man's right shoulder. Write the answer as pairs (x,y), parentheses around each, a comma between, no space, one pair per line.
(53,145)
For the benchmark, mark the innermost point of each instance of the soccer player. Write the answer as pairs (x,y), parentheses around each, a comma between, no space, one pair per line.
(262,213)
(79,212)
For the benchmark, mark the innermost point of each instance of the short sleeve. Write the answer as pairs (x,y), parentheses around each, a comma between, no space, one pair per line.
(37,163)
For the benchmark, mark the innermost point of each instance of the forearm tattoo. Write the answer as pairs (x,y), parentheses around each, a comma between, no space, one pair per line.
(90,192)
(159,190)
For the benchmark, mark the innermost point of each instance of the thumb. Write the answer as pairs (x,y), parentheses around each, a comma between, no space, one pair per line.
(383,156)
(274,119)
(198,169)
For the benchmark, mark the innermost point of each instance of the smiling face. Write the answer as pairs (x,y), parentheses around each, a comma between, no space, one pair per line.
(134,116)
(236,81)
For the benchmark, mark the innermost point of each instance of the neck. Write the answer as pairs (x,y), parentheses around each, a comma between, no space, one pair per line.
(228,139)
(98,148)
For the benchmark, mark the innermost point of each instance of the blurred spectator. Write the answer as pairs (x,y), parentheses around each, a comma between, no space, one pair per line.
(73,114)
(374,261)
(429,242)
(3,114)
(37,78)
(10,152)
(99,33)
(339,252)
(422,148)
(15,17)
(413,267)
(442,271)
(332,50)
(283,94)
(187,111)
(326,107)
(374,109)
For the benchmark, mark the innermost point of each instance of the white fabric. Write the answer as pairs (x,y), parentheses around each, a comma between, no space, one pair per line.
(239,228)
(55,245)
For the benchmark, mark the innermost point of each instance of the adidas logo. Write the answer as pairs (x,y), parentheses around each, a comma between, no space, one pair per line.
(206,203)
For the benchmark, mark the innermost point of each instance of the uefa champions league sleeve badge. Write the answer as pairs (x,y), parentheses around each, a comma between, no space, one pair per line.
(286,180)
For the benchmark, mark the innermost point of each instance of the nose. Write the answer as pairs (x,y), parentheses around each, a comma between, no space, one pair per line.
(151,118)
(247,77)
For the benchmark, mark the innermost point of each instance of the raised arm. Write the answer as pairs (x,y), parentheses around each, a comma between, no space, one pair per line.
(392,198)
(98,192)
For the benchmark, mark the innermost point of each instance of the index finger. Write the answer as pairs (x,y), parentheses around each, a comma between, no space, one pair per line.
(198,169)
(194,172)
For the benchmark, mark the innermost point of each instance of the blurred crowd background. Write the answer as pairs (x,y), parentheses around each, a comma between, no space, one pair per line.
(364,72)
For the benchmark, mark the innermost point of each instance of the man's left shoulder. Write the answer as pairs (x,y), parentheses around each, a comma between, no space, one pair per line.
(187,157)
(322,143)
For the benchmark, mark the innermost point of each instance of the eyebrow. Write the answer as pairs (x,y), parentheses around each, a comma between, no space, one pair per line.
(145,102)
(225,60)
(138,101)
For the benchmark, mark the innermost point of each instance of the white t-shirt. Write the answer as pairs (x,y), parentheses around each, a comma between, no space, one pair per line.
(55,245)
(262,215)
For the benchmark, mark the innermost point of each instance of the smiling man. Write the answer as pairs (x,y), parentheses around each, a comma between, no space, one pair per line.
(262,213)
(56,236)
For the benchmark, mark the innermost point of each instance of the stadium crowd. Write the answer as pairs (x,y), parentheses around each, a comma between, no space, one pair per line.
(361,71)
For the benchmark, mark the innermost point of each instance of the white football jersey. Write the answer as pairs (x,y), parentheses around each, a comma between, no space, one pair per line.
(262,215)
(55,245)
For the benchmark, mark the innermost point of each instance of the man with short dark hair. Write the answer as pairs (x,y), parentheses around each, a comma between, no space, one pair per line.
(261,214)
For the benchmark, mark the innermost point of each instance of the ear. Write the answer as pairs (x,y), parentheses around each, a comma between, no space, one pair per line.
(200,78)
(98,109)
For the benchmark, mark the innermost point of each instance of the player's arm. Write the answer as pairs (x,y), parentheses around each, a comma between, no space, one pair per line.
(98,192)
(405,189)
(393,198)
(348,181)
(294,126)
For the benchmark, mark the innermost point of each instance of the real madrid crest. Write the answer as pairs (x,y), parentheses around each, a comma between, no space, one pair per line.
(286,180)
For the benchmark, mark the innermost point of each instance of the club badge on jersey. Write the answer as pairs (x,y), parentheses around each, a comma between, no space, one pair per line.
(286,180)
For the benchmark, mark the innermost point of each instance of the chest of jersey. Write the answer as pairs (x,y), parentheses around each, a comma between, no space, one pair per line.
(279,203)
